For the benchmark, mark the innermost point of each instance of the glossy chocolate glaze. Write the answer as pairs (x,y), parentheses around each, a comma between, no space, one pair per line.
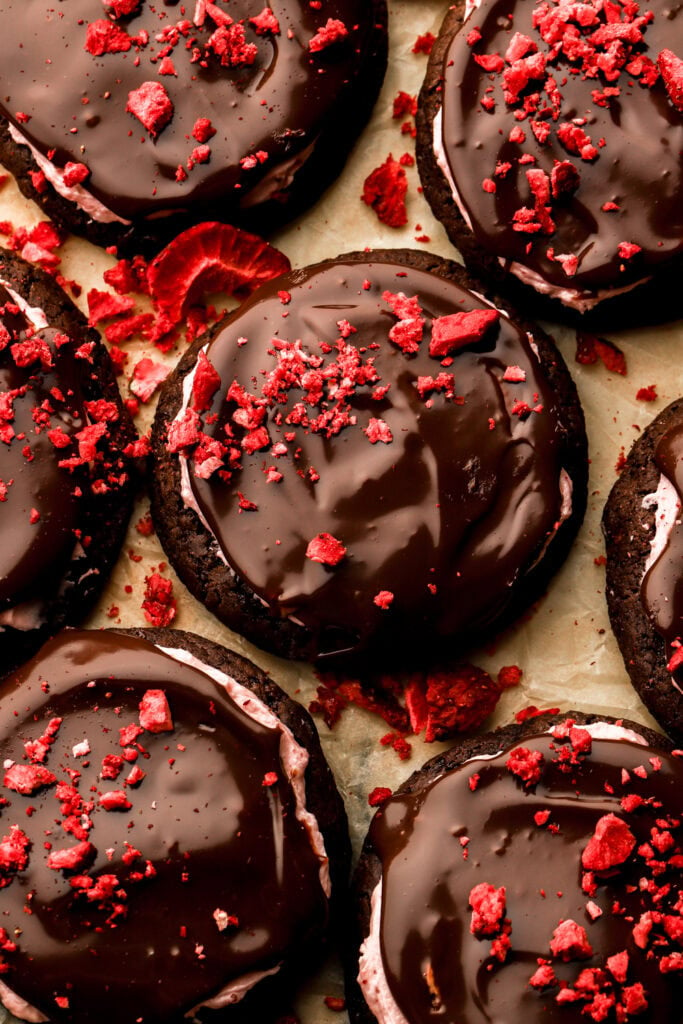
(662,587)
(34,556)
(450,504)
(77,102)
(426,883)
(640,168)
(217,837)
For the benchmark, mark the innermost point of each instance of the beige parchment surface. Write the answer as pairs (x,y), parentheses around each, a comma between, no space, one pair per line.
(565,647)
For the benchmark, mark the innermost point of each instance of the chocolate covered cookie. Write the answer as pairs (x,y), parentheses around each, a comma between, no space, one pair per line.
(66,447)
(531,874)
(369,457)
(127,121)
(171,833)
(550,142)
(644,541)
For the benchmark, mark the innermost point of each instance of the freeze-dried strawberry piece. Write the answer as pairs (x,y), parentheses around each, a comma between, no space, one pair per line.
(610,845)
(155,714)
(378,796)
(627,250)
(458,700)
(590,348)
(28,778)
(183,432)
(570,942)
(424,43)
(385,190)
(103,36)
(230,45)
(152,106)
(544,977)
(210,257)
(115,800)
(333,31)
(71,859)
(459,329)
(128,276)
(526,764)
(326,549)
(488,909)
(265,22)
(147,377)
(564,179)
(575,140)
(617,965)
(122,7)
(647,394)
(205,384)
(128,327)
(159,605)
(104,306)
(13,853)
(111,766)
(378,430)
(533,712)
(404,104)
(75,174)
(671,68)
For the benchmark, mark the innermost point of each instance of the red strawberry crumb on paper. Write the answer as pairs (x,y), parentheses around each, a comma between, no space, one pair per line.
(404,104)
(610,845)
(526,764)
(424,43)
(210,257)
(28,778)
(570,942)
(159,605)
(590,348)
(459,329)
(647,394)
(458,700)
(104,306)
(155,714)
(533,712)
(152,106)
(385,191)
(671,70)
(73,858)
(509,675)
(333,31)
(378,796)
(488,909)
(383,599)
(147,377)
(326,549)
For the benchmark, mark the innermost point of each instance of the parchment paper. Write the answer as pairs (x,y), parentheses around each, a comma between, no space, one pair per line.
(565,647)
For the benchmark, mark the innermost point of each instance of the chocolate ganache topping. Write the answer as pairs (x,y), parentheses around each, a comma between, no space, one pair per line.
(151,851)
(540,885)
(563,134)
(388,457)
(42,410)
(154,107)
(662,587)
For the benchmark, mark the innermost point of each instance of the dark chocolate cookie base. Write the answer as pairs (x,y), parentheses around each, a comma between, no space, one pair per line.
(268,1001)
(192,551)
(628,529)
(369,870)
(656,301)
(146,237)
(105,517)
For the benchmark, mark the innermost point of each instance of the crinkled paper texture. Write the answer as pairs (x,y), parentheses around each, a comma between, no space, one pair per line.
(565,647)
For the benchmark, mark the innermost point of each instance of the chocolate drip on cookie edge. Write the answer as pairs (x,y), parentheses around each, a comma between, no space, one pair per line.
(186,867)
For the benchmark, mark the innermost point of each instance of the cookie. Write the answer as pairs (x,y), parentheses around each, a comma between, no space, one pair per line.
(369,459)
(66,471)
(643,538)
(130,121)
(528,874)
(550,146)
(193,832)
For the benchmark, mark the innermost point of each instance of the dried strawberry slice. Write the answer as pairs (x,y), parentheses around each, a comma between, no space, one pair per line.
(210,257)
(671,68)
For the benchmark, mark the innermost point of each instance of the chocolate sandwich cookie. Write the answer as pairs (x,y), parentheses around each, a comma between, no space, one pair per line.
(66,443)
(368,457)
(171,833)
(129,121)
(532,874)
(550,146)
(644,542)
